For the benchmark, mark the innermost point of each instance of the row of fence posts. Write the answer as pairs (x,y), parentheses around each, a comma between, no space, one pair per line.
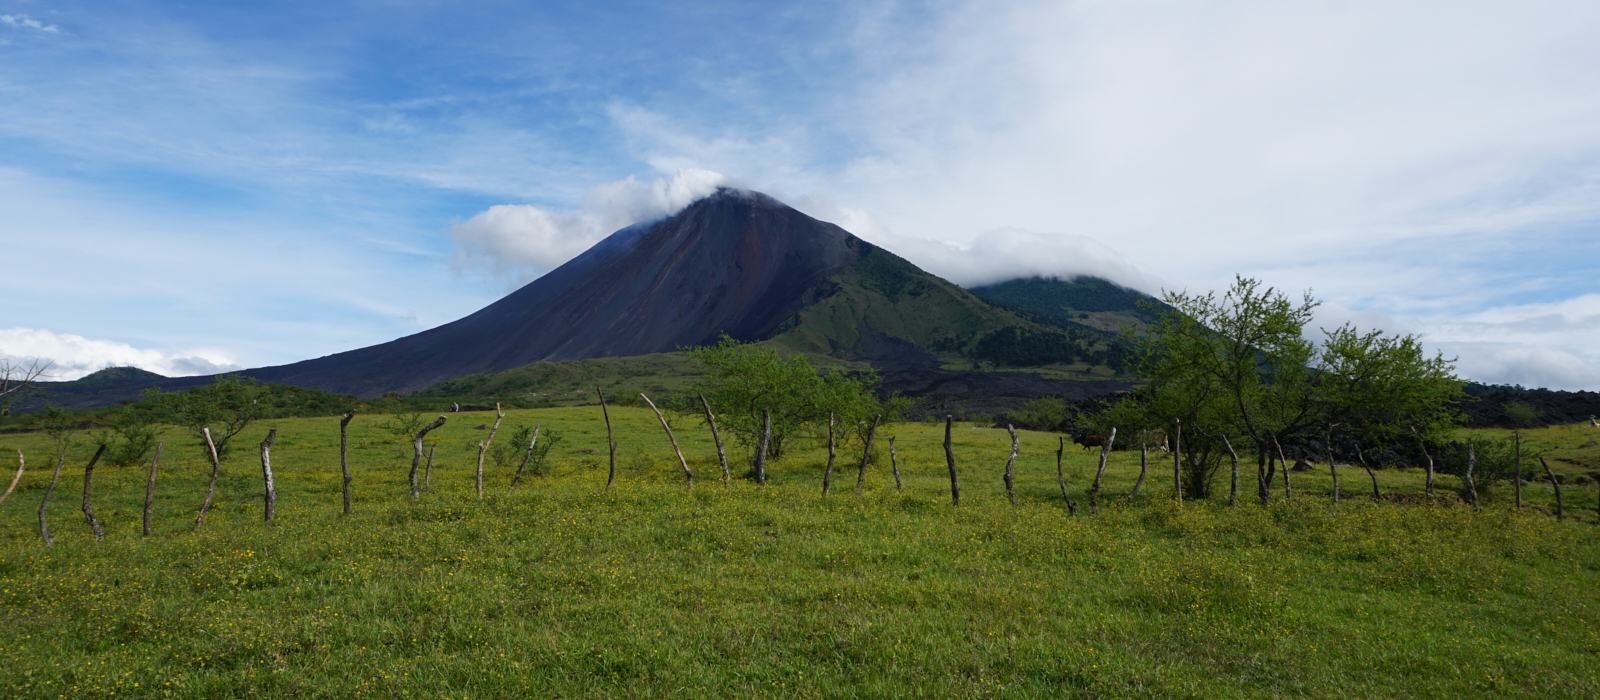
(270,495)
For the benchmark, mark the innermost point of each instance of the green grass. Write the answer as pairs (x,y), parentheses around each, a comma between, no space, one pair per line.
(563,588)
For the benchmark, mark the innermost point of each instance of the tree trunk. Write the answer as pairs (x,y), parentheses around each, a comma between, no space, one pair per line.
(1177,459)
(711,420)
(611,440)
(1333,469)
(1144,463)
(344,456)
(766,441)
(427,469)
(270,498)
(44,532)
(526,455)
(950,459)
(21,465)
(827,473)
(1061,477)
(1272,469)
(1516,477)
(88,511)
(1361,455)
(150,488)
(1424,447)
(416,455)
(1288,488)
(866,453)
(483,447)
(1099,474)
(894,463)
(1011,467)
(1472,460)
(1555,484)
(688,474)
(1233,489)
(211,487)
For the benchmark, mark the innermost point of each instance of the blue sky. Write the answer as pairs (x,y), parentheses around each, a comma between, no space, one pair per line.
(193,187)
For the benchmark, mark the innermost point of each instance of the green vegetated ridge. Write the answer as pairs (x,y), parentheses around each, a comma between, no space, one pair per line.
(1088,301)
(544,384)
(565,588)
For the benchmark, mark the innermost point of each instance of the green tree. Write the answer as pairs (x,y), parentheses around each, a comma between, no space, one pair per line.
(225,407)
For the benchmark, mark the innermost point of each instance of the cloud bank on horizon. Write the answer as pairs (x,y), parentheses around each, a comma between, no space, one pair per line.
(370,171)
(74,356)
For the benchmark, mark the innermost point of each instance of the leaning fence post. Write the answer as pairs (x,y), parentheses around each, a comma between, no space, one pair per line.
(894,463)
(687,473)
(766,441)
(1472,459)
(211,487)
(1144,463)
(866,453)
(611,440)
(1555,484)
(716,437)
(1288,488)
(1361,455)
(827,473)
(21,464)
(88,511)
(1333,468)
(1061,477)
(1099,474)
(270,498)
(1011,466)
(344,456)
(483,447)
(950,459)
(44,532)
(528,454)
(150,488)
(416,454)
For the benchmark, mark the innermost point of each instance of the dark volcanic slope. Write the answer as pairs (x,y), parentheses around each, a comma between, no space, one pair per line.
(739,262)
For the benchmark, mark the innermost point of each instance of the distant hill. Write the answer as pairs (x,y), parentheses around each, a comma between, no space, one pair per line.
(1087,301)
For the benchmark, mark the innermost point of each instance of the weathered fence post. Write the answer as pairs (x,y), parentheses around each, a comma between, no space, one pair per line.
(687,473)
(1516,477)
(483,447)
(1061,477)
(894,463)
(1555,484)
(1288,488)
(716,437)
(950,459)
(526,455)
(1333,468)
(827,473)
(766,441)
(270,498)
(150,488)
(1177,459)
(1472,489)
(1144,463)
(344,456)
(88,511)
(211,486)
(1011,466)
(1233,488)
(611,440)
(44,532)
(866,453)
(1424,447)
(21,465)
(416,454)
(1361,455)
(1099,474)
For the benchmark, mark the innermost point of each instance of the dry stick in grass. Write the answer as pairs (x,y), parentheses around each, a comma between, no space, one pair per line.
(44,532)
(866,453)
(1288,488)
(1333,469)
(1061,477)
(1011,467)
(88,511)
(150,488)
(21,464)
(1177,459)
(1099,474)
(1424,447)
(427,469)
(1555,484)
(483,447)
(1472,489)
(1361,455)
(894,463)
(688,474)
(344,456)
(270,497)
(526,455)
(761,452)
(711,420)
(1516,477)
(611,441)
(950,459)
(827,474)
(416,454)
(1144,464)
(211,486)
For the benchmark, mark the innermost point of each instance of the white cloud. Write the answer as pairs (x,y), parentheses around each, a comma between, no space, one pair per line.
(516,243)
(26,22)
(74,356)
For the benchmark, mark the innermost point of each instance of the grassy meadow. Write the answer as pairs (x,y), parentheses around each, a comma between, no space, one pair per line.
(563,588)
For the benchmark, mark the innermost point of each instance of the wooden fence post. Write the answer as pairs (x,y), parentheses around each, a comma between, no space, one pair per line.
(526,455)
(344,456)
(1555,484)
(150,488)
(1011,466)
(1516,478)
(611,440)
(1472,459)
(216,471)
(866,453)
(483,447)
(950,459)
(1061,477)
(44,532)
(1144,463)
(687,473)
(827,473)
(716,436)
(1233,489)
(894,463)
(1099,474)
(1333,468)
(21,465)
(1288,488)
(88,511)
(1424,447)
(1177,459)
(766,441)
(270,498)
(1361,455)
(416,454)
